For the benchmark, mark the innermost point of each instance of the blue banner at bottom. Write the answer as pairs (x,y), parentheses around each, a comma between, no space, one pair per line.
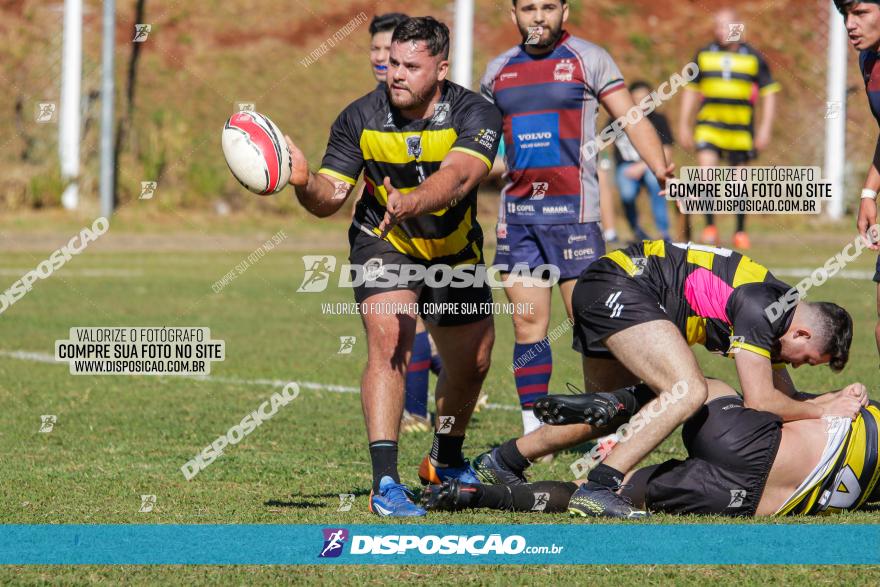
(435,544)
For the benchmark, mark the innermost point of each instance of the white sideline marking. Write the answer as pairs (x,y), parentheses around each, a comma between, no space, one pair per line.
(47,358)
(804,272)
(26,356)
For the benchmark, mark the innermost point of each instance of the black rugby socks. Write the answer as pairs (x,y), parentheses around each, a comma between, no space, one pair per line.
(446,450)
(383,454)
(605,476)
(511,458)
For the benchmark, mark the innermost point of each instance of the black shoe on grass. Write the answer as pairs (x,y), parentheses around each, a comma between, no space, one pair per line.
(490,470)
(592,500)
(451,496)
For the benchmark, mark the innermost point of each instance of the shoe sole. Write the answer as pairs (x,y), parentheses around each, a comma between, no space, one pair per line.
(558,410)
(633,516)
(573,512)
(428,474)
(391,515)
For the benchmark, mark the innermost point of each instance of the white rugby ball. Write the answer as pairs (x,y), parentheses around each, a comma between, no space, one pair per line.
(256,152)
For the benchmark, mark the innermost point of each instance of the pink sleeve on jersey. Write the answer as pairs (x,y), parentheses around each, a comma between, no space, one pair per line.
(707,294)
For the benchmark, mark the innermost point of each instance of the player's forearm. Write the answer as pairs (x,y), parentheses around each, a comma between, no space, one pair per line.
(441,190)
(316,196)
(785,407)
(647,142)
(768,114)
(688,105)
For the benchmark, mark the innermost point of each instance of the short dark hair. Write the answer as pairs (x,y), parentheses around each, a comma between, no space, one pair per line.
(424,28)
(844,6)
(835,328)
(640,84)
(514,3)
(382,23)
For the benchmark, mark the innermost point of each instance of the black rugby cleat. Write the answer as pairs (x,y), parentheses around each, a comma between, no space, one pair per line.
(597,409)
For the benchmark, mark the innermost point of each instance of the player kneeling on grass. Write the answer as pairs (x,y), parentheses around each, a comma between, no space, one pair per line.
(741,462)
(424,144)
(637,310)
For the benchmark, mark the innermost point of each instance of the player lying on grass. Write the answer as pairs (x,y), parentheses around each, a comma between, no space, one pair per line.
(741,462)
(637,310)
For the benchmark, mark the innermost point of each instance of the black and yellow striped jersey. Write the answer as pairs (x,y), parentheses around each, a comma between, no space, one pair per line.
(853,480)
(716,297)
(730,82)
(371,135)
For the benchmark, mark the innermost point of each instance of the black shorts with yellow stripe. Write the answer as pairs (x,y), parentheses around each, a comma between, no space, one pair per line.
(378,267)
(607,300)
(733,158)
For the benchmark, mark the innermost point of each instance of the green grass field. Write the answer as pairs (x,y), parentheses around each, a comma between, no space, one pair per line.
(118,437)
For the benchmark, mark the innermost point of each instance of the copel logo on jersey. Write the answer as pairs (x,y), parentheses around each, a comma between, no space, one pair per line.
(536,140)
(523,209)
(334,540)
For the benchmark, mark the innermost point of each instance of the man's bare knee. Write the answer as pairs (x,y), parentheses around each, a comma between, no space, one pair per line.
(693,393)
(389,346)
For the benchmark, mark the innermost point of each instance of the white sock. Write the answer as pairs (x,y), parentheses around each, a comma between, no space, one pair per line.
(530,422)
(610,234)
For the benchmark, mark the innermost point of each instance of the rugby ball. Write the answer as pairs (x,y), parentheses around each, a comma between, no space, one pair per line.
(256,152)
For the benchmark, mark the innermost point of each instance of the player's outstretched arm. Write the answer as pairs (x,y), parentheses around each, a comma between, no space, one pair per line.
(760,393)
(320,194)
(642,135)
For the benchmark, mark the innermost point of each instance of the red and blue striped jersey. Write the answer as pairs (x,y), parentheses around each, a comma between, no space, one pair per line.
(869,64)
(550,104)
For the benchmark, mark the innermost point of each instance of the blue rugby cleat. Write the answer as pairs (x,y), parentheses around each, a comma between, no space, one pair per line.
(394,500)
(431,475)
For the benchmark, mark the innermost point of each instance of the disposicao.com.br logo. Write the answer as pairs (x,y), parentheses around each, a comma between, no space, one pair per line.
(375,273)
(400,544)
